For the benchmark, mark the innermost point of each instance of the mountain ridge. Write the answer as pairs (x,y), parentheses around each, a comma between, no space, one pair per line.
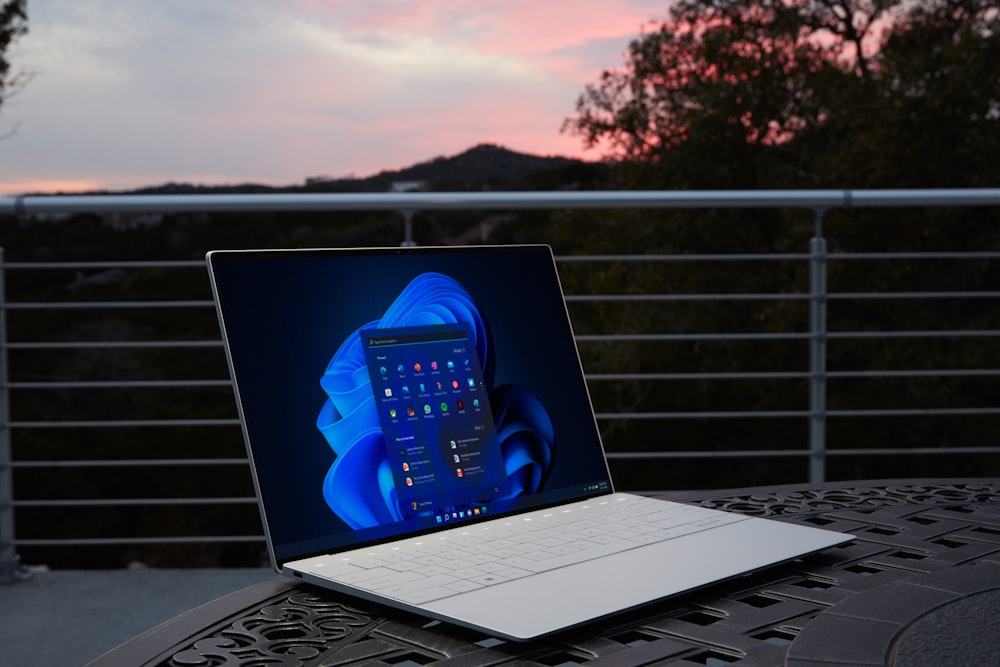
(483,166)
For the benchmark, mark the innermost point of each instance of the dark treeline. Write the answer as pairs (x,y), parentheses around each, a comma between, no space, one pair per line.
(729,94)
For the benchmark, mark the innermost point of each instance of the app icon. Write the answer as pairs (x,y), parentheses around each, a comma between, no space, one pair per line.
(472,382)
(434,365)
(457,458)
(451,364)
(444,407)
(461,405)
(417,367)
(399,368)
(427,409)
(475,402)
(454,384)
(423,387)
(409,481)
(388,392)
(410,412)
(406,467)
(406,389)
(453,444)
(439,386)
(383,370)
(392,413)
(459,472)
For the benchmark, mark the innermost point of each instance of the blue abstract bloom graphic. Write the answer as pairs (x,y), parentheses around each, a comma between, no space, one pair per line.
(359,487)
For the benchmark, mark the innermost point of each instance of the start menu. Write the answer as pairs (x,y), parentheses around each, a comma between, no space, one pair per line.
(439,432)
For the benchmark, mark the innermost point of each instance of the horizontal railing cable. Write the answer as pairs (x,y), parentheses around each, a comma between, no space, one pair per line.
(570,298)
(129,463)
(120,384)
(582,338)
(792,453)
(940,333)
(95,264)
(914,295)
(119,423)
(707,454)
(560,259)
(27,205)
(106,305)
(666,337)
(654,376)
(133,502)
(912,412)
(131,540)
(692,257)
(928,451)
(792,375)
(729,296)
(964,255)
(942,372)
(705,414)
(115,344)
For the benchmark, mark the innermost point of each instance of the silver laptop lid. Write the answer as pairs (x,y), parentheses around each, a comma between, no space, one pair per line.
(392,391)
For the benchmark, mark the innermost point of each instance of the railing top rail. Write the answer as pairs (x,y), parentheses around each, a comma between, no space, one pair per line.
(813,199)
(563,259)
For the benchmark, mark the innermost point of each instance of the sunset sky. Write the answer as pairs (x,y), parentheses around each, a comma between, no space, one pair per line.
(128,94)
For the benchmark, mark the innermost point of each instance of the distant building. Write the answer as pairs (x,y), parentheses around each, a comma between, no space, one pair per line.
(408,186)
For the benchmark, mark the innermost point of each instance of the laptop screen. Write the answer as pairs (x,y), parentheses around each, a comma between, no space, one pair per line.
(391,391)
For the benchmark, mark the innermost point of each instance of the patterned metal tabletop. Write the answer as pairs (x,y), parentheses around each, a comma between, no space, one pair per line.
(919,585)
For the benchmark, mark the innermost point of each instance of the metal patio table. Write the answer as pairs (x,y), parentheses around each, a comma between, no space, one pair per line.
(920,585)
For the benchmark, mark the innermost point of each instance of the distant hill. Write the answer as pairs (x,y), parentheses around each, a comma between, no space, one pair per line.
(486,166)
(485,163)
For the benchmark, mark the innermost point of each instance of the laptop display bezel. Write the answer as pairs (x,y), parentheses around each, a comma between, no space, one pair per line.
(279,553)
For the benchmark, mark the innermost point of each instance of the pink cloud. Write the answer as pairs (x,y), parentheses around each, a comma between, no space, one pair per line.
(278,92)
(494,26)
(69,185)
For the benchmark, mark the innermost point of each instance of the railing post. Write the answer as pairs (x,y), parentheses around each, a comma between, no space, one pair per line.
(10,562)
(408,241)
(817,352)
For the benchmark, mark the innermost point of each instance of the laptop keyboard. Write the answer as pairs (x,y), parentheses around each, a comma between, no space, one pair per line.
(462,559)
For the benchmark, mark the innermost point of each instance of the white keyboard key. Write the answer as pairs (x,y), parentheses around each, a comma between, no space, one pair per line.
(489,579)
(392,579)
(362,575)
(514,573)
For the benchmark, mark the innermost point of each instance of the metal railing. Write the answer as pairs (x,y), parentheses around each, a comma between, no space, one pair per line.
(816,336)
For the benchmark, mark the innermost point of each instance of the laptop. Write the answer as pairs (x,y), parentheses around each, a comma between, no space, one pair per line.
(421,435)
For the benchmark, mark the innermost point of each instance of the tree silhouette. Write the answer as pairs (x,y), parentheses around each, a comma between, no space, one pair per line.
(929,115)
(741,94)
(13,25)
(805,93)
